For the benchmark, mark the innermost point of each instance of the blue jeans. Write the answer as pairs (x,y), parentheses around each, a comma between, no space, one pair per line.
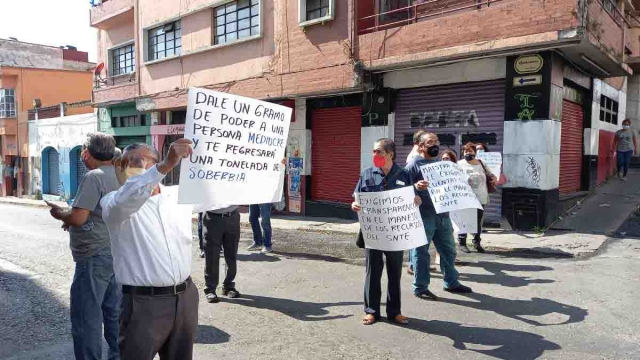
(440,232)
(95,298)
(261,211)
(624,159)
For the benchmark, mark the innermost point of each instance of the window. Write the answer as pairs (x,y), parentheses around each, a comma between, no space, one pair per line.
(165,41)
(123,60)
(236,20)
(7,103)
(610,6)
(608,110)
(128,121)
(313,11)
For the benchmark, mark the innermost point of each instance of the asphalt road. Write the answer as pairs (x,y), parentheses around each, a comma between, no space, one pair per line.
(305,302)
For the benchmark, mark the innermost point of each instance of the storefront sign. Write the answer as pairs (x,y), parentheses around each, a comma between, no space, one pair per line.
(177,129)
(527,80)
(449,187)
(238,147)
(390,220)
(528,64)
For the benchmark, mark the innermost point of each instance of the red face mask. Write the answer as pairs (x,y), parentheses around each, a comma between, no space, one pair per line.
(379,160)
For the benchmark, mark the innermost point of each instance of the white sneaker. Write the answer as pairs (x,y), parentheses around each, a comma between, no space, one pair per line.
(624,178)
(266,250)
(254,247)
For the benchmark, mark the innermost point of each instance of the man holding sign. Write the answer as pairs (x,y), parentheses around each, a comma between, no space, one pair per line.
(437,226)
(389,223)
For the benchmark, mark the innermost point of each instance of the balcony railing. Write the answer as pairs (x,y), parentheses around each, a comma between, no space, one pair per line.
(424,10)
(123,79)
(611,7)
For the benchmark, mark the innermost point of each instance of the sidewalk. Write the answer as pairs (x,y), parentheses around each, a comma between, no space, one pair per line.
(553,243)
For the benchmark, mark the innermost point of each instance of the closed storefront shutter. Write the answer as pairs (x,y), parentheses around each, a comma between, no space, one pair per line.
(53,172)
(81,170)
(124,141)
(457,113)
(571,139)
(335,154)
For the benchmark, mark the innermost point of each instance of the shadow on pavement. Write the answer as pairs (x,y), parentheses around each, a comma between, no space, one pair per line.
(505,344)
(520,309)
(300,310)
(304,256)
(257,258)
(499,276)
(210,335)
(32,319)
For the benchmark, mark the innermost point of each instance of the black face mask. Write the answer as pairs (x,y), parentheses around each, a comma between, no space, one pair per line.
(433,150)
(469,157)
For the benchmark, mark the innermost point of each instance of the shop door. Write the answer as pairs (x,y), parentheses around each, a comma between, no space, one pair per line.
(457,113)
(571,143)
(335,154)
(53,158)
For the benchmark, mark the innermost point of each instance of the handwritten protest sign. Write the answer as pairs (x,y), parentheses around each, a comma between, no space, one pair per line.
(492,160)
(390,220)
(464,221)
(448,187)
(238,147)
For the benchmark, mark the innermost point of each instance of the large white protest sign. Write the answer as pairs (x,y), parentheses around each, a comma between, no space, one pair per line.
(449,187)
(390,220)
(492,160)
(464,221)
(238,147)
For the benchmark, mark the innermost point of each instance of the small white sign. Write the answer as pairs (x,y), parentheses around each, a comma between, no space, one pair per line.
(464,221)
(492,160)
(449,187)
(390,220)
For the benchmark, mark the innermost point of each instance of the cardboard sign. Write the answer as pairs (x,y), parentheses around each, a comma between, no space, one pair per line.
(238,147)
(390,220)
(464,221)
(492,160)
(449,187)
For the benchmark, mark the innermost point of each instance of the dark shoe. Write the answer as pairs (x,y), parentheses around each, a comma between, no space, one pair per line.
(464,249)
(202,254)
(231,293)
(479,248)
(426,295)
(212,298)
(460,289)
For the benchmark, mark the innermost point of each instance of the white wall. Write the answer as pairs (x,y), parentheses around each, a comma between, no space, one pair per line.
(602,88)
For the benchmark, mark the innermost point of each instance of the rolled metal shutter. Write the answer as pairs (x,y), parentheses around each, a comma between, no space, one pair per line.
(571,140)
(458,113)
(81,169)
(335,153)
(53,158)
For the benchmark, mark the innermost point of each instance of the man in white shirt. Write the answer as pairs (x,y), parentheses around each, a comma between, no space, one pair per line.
(151,245)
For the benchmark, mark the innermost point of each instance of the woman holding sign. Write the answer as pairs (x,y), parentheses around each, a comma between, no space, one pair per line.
(480,179)
(385,175)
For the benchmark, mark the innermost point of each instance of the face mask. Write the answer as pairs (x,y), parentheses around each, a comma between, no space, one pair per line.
(626,126)
(480,150)
(379,160)
(469,157)
(433,150)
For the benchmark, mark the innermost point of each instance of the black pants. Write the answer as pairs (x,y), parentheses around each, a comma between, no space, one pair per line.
(462,238)
(164,325)
(373,286)
(219,232)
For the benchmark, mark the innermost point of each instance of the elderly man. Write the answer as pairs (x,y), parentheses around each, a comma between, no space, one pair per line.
(437,226)
(151,244)
(95,295)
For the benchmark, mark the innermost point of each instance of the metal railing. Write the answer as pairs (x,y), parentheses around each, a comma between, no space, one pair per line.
(99,82)
(611,7)
(417,12)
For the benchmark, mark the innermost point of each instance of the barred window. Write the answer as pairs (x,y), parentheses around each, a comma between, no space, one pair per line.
(7,103)
(317,9)
(608,110)
(123,60)
(165,41)
(236,20)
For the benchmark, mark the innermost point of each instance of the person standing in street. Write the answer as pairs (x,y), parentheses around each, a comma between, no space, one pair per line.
(416,145)
(95,294)
(625,145)
(479,176)
(384,175)
(261,239)
(151,239)
(437,227)
(221,231)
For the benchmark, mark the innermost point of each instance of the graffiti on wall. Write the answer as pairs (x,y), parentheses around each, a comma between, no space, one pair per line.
(533,170)
(527,107)
(444,119)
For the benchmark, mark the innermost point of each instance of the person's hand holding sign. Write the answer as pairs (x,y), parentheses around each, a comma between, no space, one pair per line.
(355,207)
(180,149)
(422,185)
(417,200)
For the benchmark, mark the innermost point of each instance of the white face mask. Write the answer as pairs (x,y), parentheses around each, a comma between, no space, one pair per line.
(626,126)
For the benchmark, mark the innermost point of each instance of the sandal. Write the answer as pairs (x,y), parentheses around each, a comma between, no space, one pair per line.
(369,320)
(400,320)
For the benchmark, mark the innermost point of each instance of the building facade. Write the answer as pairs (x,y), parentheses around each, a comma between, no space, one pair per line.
(523,76)
(35,75)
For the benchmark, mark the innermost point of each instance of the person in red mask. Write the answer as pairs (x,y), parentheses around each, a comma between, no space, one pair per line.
(384,175)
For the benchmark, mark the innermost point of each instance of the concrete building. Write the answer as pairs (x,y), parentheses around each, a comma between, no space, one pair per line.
(31,75)
(539,81)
